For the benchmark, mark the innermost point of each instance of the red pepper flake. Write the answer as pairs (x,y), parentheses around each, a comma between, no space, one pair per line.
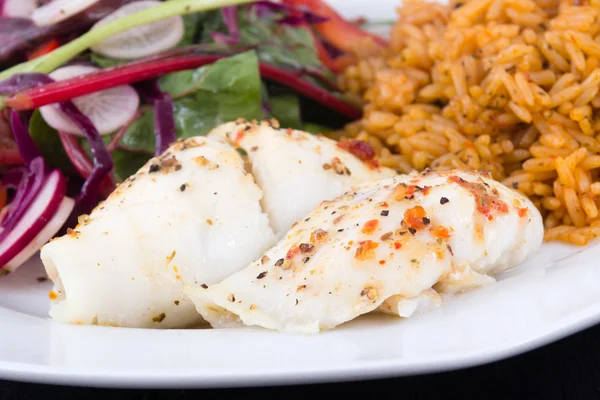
(52,295)
(404,191)
(384,204)
(358,148)
(292,252)
(486,204)
(370,226)
(397,245)
(366,250)
(439,232)
(318,236)
(426,190)
(239,136)
(523,212)
(415,218)
(289,131)
(381,262)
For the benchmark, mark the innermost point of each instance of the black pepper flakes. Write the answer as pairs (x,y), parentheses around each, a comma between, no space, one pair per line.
(412,230)
(42,279)
(279,262)
(204,286)
(176,302)
(231,298)
(296,301)
(177,167)
(450,249)
(183,187)
(261,275)
(305,259)
(385,213)
(426,221)
(444,200)
(154,168)
(515,185)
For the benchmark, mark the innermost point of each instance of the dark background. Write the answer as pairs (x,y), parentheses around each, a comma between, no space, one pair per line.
(567,369)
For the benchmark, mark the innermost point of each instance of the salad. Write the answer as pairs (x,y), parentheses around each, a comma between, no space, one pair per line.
(90,90)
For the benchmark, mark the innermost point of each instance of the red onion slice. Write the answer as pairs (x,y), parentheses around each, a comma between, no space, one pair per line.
(35,218)
(53,226)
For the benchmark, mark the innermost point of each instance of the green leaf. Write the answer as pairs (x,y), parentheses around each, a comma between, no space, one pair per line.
(286,109)
(179,83)
(316,128)
(105,62)
(226,90)
(140,134)
(191,23)
(127,163)
(49,143)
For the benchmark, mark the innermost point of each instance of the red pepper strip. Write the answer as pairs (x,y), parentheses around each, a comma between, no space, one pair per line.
(82,163)
(339,32)
(44,49)
(68,89)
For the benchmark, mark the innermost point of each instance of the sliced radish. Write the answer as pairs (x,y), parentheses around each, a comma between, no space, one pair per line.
(141,41)
(108,109)
(33,221)
(53,226)
(18,8)
(59,10)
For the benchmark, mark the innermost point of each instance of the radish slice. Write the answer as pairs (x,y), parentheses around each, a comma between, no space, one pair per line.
(37,216)
(108,109)
(53,226)
(59,10)
(141,41)
(18,8)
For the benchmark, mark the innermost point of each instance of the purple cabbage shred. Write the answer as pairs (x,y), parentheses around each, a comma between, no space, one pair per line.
(230,18)
(164,117)
(103,163)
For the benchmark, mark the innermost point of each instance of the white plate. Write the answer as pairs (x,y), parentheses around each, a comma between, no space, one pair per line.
(551,296)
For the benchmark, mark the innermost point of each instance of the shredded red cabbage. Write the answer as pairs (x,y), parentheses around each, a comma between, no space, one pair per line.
(19,82)
(164,118)
(103,163)
(230,18)
(26,145)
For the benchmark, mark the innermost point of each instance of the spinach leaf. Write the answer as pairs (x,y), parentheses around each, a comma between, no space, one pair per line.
(224,91)
(140,134)
(127,163)
(286,109)
(227,90)
(49,143)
